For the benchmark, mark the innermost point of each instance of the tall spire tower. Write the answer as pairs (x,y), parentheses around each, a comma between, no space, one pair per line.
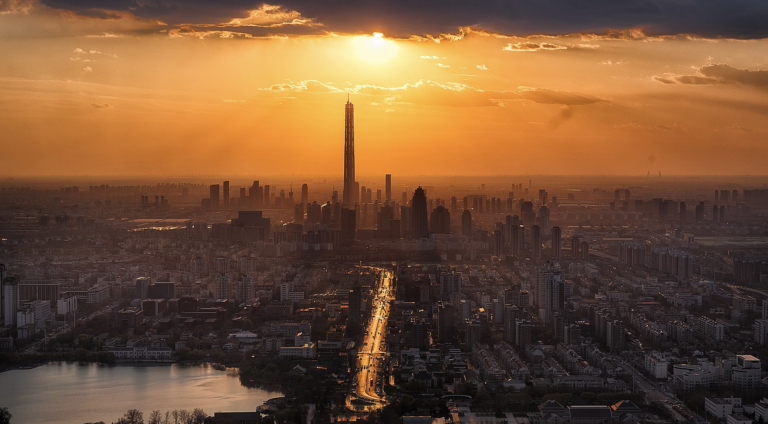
(350,185)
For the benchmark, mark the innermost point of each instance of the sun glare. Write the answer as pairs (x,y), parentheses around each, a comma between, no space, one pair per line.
(375,49)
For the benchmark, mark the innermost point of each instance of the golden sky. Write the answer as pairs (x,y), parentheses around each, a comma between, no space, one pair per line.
(258,90)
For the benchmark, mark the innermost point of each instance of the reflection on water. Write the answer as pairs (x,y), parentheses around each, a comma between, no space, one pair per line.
(75,393)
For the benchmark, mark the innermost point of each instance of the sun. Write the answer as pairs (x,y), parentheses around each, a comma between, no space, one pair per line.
(375,49)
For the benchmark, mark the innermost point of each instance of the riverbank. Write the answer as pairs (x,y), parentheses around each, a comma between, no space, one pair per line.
(112,389)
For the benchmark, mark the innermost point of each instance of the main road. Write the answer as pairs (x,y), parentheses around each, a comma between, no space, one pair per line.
(366,393)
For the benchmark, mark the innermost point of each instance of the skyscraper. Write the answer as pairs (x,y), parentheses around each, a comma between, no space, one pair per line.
(305,194)
(419,205)
(226,195)
(214,196)
(557,242)
(466,223)
(388,189)
(536,241)
(350,186)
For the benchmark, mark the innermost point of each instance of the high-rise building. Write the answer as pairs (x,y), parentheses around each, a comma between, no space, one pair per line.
(355,304)
(226,195)
(550,296)
(418,334)
(472,333)
(223,288)
(244,288)
(350,185)
(305,194)
(557,242)
(440,221)
(544,219)
(419,205)
(10,300)
(466,223)
(536,241)
(450,282)
(388,187)
(214,196)
(348,225)
(142,287)
(445,319)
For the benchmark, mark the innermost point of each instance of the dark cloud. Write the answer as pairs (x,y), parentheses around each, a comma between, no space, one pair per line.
(719,74)
(15,6)
(744,19)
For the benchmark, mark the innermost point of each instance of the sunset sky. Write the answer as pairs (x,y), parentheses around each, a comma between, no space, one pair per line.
(242,88)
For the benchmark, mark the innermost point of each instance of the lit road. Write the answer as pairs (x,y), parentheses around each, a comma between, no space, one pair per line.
(366,393)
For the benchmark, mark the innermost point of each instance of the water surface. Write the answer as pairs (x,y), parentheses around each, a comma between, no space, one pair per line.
(79,393)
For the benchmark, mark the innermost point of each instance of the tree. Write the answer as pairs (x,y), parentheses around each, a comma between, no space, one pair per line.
(185,417)
(155,418)
(133,416)
(5,415)
(199,416)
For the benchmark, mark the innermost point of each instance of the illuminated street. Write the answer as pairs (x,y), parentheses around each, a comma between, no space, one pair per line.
(366,393)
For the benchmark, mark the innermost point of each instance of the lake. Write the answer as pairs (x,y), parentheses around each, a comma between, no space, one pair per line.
(79,393)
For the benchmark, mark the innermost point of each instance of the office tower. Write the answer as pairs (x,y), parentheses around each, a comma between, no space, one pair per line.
(445,320)
(683,211)
(717,196)
(384,221)
(348,225)
(223,287)
(700,212)
(715,210)
(722,214)
(557,242)
(544,219)
(244,288)
(355,304)
(584,249)
(472,333)
(511,314)
(615,336)
(406,222)
(496,243)
(522,333)
(142,286)
(450,282)
(350,185)
(440,221)
(305,194)
(378,196)
(388,186)
(214,196)
(10,300)
(466,223)
(418,334)
(226,195)
(663,211)
(256,195)
(536,241)
(518,235)
(267,197)
(549,292)
(524,298)
(419,205)
(242,198)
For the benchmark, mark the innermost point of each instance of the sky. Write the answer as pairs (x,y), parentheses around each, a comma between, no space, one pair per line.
(487,87)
